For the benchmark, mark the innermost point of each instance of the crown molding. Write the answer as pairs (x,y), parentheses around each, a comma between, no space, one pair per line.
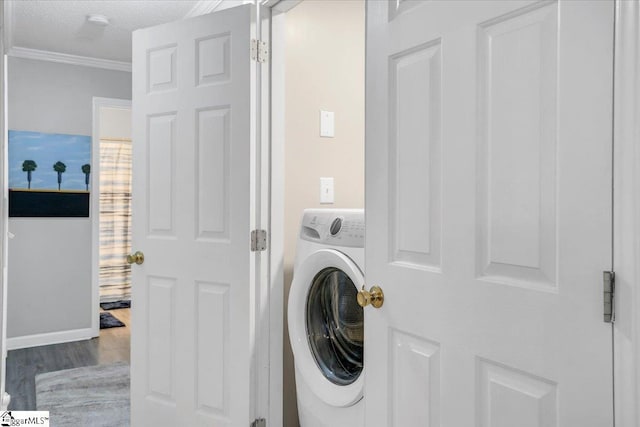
(281,5)
(203,7)
(65,58)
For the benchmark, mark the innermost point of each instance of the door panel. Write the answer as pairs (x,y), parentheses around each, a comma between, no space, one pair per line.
(416,377)
(517,98)
(191,330)
(488,213)
(415,216)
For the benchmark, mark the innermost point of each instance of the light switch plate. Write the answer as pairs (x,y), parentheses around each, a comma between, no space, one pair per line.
(326,190)
(327,124)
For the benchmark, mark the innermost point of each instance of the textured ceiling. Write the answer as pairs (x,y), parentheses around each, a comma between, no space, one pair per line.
(61,25)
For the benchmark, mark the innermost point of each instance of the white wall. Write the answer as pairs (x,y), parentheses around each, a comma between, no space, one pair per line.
(50,259)
(115,123)
(324,70)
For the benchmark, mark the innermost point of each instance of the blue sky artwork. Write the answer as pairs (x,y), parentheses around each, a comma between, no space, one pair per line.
(46,149)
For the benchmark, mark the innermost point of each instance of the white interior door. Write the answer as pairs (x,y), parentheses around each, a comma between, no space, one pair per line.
(489,140)
(192,215)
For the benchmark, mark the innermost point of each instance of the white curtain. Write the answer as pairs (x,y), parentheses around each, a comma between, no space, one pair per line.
(115,219)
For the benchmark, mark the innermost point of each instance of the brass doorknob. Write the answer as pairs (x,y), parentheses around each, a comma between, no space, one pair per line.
(137,258)
(375,297)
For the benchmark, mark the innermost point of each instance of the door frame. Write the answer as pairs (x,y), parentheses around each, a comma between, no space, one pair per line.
(269,283)
(626,212)
(4,218)
(277,125)
(626,181)
(94,213)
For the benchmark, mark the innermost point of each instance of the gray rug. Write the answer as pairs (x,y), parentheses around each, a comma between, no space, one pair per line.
(93,396)
(115,305)
(108,320)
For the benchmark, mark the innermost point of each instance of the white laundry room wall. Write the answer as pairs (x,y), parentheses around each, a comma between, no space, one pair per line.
(49,267)
(324,70)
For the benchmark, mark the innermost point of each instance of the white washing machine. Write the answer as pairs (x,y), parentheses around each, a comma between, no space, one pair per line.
(326,324)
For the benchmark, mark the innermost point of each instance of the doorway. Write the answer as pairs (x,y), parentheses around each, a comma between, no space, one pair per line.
(323,70)
(111,225)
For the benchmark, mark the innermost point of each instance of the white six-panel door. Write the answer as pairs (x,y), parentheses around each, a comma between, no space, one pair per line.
(489,140)
(191,330)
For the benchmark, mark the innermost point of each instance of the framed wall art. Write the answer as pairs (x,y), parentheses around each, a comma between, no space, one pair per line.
(49,174)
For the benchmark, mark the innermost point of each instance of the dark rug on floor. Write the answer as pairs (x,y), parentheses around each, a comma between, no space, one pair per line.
(108,320)
(115,304)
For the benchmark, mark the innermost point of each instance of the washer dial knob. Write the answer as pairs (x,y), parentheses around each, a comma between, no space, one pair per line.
(336,226)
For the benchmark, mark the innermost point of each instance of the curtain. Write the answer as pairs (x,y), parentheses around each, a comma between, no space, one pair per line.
(115,219)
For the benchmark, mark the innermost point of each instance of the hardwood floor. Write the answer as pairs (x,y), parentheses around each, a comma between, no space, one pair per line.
(23,365)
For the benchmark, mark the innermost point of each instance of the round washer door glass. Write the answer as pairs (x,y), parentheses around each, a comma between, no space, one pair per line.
(335,326)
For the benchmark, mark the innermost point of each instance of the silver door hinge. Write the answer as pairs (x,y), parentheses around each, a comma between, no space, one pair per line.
(609,288)
(258,240)
(259,50)
(259,422)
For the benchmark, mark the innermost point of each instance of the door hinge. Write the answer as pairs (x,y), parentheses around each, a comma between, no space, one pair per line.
(259,50)
(258,240)
(259,422)
(609,288)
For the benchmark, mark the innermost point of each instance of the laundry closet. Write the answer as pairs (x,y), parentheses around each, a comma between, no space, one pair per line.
(324,72)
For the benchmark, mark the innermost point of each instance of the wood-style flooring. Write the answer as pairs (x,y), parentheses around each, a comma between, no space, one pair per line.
(23,365)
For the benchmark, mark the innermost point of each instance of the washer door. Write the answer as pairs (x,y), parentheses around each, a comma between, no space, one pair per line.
(326,326)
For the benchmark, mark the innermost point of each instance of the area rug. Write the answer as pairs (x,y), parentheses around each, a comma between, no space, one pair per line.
(108,320)
(93,396)
(115,304)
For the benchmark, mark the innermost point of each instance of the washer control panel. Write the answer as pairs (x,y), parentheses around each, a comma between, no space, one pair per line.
(340,227)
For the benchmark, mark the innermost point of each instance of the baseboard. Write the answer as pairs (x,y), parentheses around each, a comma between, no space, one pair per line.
(49,338)
(4,403)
